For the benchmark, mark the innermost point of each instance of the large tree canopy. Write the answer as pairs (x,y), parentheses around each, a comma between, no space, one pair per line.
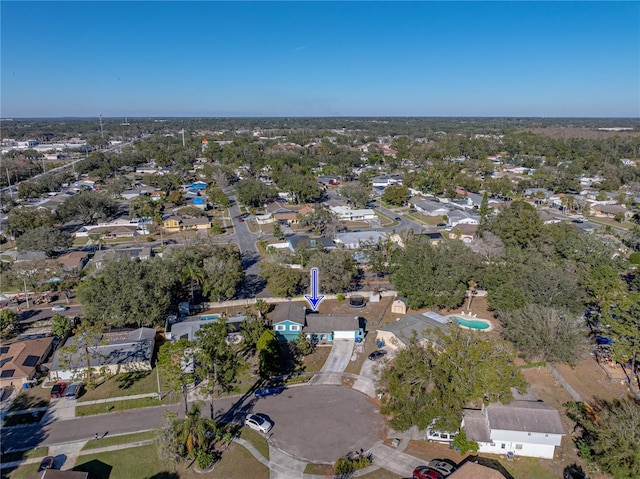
(432,275)
(88,207)
(48,240)
(23,219)
(437,381)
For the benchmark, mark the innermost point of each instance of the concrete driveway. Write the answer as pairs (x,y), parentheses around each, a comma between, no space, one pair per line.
(321,423)
(339,357)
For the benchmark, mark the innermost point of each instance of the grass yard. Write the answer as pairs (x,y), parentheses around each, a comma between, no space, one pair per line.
(381,474)
(128,384)
(21,472)
(319,469)
(124,405)
(18,456)
(142,463)
(122,439)
(31,398)
(257,440)
(21,419)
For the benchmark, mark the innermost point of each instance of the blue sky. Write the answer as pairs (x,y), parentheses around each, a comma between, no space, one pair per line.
(319,59)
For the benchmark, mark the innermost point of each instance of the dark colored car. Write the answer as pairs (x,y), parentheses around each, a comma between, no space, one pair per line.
(398,218)
(425,472)
(74,391)
(47,463)
(269,391)
(441,224)
(58,389)
(377,354)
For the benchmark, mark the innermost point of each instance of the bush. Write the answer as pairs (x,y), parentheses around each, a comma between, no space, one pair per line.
(634,258)
(340,297)
(348,464)
(204,460)
(464,445)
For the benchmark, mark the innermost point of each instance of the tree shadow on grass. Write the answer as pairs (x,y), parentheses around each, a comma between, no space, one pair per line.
(96,469)
(125,381)
(165,475)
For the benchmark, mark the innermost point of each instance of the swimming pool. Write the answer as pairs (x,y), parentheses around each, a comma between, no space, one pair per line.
(472,323)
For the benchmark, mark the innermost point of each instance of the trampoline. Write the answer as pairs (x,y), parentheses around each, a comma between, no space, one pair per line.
(356,302)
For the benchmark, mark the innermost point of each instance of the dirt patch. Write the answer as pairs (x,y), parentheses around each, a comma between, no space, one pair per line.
(432,450)
(591,382)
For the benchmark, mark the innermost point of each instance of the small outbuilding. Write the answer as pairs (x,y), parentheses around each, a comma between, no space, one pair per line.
(399,306)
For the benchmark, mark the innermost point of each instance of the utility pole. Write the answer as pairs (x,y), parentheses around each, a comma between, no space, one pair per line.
(182,131)
(26,294)
(101,132)
(9,181)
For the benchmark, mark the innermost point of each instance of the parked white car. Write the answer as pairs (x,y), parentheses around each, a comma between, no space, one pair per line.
(258,422)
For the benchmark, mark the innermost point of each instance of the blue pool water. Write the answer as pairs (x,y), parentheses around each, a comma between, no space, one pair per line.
(209,317)
(470,323)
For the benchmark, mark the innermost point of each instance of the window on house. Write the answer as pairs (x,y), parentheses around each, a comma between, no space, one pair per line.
(518,447)
(294,327)
(503,446)
(528,434)
(280,327)
(546,435)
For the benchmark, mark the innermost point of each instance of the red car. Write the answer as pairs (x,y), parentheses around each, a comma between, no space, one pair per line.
(240,220)
(58,389)
(425,472)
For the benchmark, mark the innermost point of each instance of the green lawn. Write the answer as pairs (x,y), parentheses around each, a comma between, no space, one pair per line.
(122,439)
(128,384)
(31,398)
(18,456)
(142,463)
(124,405)
(257,440)
(21,472)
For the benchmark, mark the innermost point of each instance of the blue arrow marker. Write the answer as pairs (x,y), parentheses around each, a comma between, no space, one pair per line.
(314,299)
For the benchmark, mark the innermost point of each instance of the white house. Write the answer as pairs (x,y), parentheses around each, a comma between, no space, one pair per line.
(525,427)
(353,240)
(457,217)
(429,208)
(345,213)
(383,181)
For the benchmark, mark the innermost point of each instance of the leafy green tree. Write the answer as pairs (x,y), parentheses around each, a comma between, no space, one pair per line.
(610,435)
(277,230)
(188,438)
(79,351)
(337,270)
(433,275)
(302,345)
(217,359)
(125,292)
(48,240)
(252,328)
(459,368)
(176,363)
(624,320)
(217,196)
(254,192)
(61,326)
(192,272)
(396,195)
(88,207)
(281,280)
(23,219)
(223,273)
(464,445)
(484,209)
(144,207)
(517,225)
(9,324)
(321,221)
(378,255)
(547,334)
(356,194)
(270,359)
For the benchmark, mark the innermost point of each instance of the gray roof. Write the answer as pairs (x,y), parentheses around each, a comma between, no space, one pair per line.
(476,425)
(135,347)
(526,416)
(324,323)
(404,327)
(289,312)
(355,238)
(187,329)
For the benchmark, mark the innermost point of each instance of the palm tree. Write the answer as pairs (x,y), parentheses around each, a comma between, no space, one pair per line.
(195,433)
(194,273)
(472,291)
(261,306)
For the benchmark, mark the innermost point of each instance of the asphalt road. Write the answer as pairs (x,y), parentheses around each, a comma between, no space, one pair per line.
(312,422)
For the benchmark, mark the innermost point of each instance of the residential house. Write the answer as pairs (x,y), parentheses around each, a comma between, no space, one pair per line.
(525,427)
(181,223)
(325,328)
(355,239)
(288,319)
(429,208)
(187,328)
(73,262)
(20,360)
(397,334)
(133,193)
(120,353)
(383,181)
(296,242)
(457,217)
(157,195)
(345,213)
(142,253)
(611,211)
(466,233)
(435,237)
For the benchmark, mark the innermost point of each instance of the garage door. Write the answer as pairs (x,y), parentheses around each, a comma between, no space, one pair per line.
(344,335)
